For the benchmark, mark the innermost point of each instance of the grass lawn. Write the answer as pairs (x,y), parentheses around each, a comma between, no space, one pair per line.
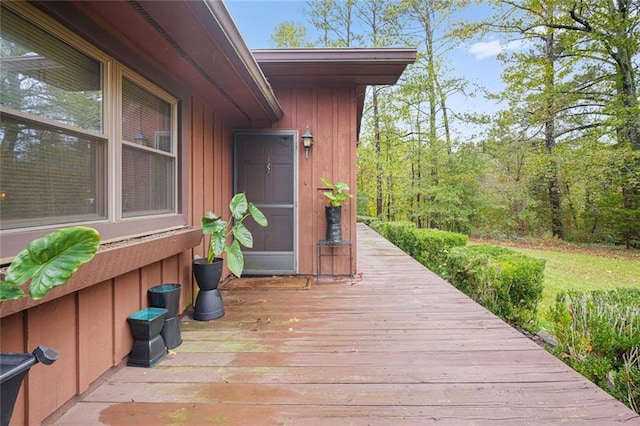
(584,271)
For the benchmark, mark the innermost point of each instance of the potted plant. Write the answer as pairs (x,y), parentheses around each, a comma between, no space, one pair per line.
(333,210)
(208,271)
(48,262)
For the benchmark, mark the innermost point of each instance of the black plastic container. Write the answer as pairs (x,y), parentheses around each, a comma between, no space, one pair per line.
(13,369)
(333,216)
(148,345)
(168,296)
(209,305)
(207,274)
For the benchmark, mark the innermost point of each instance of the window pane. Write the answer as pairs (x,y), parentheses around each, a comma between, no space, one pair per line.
(146,119)
(44,76)
(48,176)
(148,182)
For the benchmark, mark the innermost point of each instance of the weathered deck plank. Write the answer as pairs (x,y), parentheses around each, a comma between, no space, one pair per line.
(400,347)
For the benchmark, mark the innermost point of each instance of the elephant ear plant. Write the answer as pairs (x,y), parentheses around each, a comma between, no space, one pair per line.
(49,262)
(220,230)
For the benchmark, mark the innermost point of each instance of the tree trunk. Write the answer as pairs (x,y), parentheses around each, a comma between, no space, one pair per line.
(553,187)
(376,135)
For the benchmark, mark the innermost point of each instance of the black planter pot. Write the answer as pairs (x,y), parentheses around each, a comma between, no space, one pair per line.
(334,230)
(208,304)
(168,296)
(13,368)
(207,274)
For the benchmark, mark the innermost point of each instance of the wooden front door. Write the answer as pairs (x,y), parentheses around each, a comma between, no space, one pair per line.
(265,171)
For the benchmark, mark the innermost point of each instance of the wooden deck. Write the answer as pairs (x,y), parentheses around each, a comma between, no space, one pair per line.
(401,346)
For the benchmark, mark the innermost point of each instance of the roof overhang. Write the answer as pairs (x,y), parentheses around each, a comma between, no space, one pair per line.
(195,43)
(335,67)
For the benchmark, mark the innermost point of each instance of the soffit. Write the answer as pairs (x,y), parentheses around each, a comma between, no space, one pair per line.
(193,42)
(334,66)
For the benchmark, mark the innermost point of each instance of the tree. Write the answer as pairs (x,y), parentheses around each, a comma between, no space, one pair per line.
(289,34)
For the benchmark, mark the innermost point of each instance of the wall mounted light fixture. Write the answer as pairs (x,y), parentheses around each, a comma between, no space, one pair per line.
(307,142)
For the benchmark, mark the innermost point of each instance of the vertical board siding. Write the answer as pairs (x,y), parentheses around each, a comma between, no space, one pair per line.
(126,300)
(95,333)
(197,167)
(89,328)
(211,168)
(330,114)
(52,324)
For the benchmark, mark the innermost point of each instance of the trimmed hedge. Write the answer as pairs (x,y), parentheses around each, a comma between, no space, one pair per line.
(598,335)
(427,246)
(367,220)
(502,280)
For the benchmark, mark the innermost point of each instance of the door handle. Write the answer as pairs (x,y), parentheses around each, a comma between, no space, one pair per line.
(267,168)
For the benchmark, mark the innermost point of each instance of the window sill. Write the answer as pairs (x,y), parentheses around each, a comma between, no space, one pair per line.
(115,259)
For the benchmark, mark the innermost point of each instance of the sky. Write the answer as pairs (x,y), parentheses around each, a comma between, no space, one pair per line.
(476,62)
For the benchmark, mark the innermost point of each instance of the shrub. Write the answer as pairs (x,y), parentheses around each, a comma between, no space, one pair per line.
(367,220)
(598,335)
(427,246)
(504,281)
(432,247)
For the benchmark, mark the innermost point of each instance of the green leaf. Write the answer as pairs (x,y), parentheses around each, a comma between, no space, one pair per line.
(330,196)
(341,187)
(327,182)
(235,260)
(257,215)
(242,235)
(211,223)
(238,205)
(219,237)
(51,260)
(10,291)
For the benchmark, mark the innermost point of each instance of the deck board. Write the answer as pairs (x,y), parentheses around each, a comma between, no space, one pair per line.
(399,347)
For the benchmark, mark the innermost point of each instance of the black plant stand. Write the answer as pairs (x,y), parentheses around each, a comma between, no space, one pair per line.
(333,245)
(168,296)
(148,344)
(209,305)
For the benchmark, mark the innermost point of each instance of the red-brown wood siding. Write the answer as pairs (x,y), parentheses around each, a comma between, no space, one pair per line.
(330,114)
(90,330)
(88,326)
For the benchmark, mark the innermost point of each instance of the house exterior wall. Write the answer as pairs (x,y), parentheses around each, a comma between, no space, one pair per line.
(85,320)
(330,114)
(90,329)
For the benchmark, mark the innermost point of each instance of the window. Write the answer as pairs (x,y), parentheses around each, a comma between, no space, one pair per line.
(147,161)
(64,157)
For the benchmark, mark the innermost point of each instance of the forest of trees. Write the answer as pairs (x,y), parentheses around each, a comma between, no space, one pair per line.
(561,156)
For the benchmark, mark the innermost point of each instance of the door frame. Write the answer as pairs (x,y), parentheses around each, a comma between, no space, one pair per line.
(295,137)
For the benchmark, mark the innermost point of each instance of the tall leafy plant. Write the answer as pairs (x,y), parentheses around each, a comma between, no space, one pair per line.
(220,230)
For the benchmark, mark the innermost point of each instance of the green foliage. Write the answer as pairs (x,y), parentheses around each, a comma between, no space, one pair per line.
(337,194)
(504,281)
(367,220)
(289,34)
(427,246)
(598,334)
(49,261)
(219,230)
